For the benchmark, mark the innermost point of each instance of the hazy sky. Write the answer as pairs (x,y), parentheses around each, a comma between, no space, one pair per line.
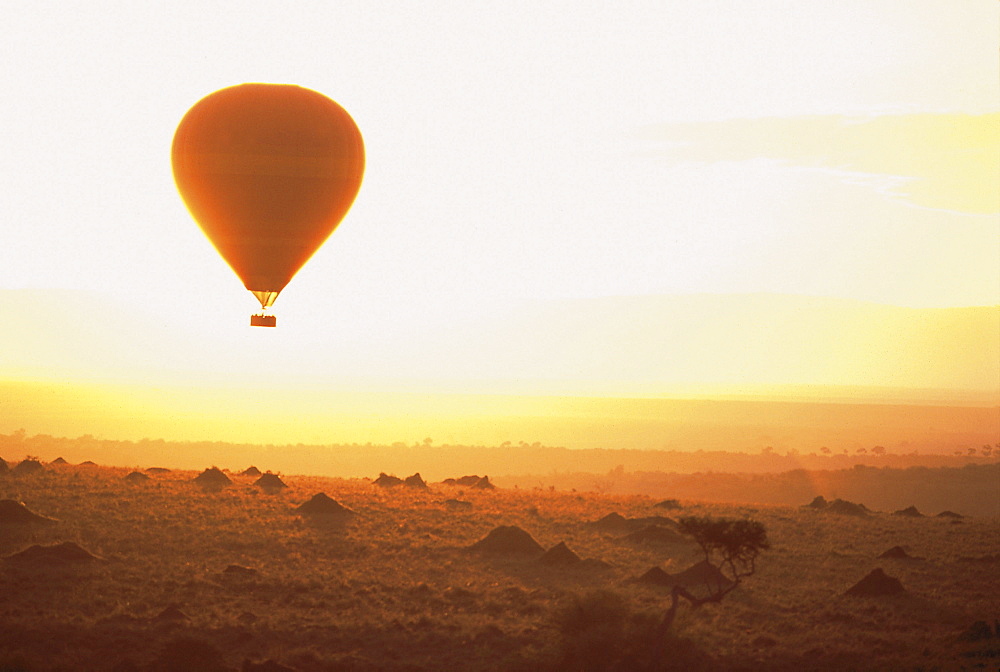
(524,149)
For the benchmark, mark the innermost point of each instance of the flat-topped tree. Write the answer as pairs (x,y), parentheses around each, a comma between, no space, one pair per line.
(730,546)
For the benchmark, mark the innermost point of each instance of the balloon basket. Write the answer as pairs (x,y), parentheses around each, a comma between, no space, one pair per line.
(261,320)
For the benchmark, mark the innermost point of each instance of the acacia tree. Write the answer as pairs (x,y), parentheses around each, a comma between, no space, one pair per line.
(600,632)
(731,547)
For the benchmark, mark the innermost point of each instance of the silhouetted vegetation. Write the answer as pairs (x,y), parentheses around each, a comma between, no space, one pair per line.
(599,632)
(729,546)
(962,483)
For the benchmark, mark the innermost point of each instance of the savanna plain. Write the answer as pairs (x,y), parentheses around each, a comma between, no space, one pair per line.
(150,569)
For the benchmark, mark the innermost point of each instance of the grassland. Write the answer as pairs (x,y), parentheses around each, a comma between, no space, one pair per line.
(395,587)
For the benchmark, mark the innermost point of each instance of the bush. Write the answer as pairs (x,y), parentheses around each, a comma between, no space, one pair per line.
(600,633)
(190,654)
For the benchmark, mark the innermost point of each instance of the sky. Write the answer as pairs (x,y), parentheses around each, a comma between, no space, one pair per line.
(519,151)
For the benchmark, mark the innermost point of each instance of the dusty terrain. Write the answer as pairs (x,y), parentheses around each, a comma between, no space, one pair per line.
(198,578)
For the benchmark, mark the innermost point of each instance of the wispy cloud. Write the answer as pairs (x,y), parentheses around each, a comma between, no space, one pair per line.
(940,161)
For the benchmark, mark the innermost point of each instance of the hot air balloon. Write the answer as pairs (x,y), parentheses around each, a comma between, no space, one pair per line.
(267,171)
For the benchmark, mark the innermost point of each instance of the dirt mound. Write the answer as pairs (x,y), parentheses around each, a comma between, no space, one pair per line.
(508,540)
(484,484)
(978,631)
(27,467)
(157,470)
(876,584)
(612,521)
(268,665)
(656,577)
(212,478)
(415,481)
(88,463)
(819,502)
(457,504)
(656,534)
(896,553)
(59,460)
(250,471)
(662,521)
(136,477)
(58,554)
(669,504)
(559,555)
(615,522)
(950,514)
(16,513)
(845,508)
(270,482)
(701,574)
(594,564)
(909,512)
(386,481)
(239,572)
(467,480)
(171,614)
(323,506)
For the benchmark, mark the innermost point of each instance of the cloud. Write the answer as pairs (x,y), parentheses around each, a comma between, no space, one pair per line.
(940,161)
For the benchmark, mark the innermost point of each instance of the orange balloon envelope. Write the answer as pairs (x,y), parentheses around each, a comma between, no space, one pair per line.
(267,171)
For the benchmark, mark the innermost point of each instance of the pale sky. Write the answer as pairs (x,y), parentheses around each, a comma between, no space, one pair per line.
(523,150)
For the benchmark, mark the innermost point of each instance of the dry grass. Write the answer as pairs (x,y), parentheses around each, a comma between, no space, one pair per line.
(396,588)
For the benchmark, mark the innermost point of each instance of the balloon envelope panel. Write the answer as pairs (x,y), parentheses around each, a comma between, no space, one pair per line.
(267,171)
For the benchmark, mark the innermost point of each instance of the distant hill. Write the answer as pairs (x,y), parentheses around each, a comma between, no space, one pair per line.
(886,481)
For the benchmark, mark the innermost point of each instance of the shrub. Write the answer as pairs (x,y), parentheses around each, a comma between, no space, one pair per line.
(600,633)
(190,654)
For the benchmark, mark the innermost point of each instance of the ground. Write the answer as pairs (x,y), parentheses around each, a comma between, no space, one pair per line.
(395,587)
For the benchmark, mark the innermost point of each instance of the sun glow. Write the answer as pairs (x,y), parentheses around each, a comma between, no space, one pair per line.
(600,202)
